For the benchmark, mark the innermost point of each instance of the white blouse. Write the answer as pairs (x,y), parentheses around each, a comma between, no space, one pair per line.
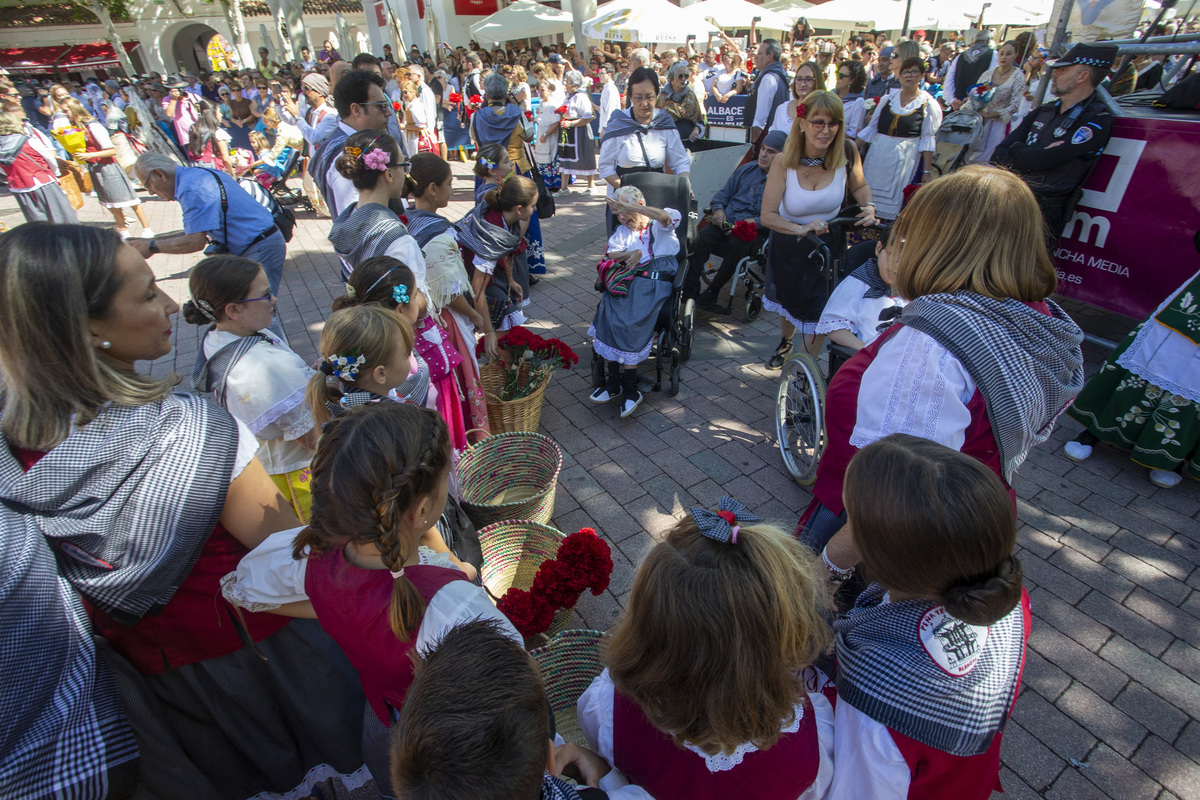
(665,243)
(869,764)
(853,115)
(929,125)
(913,386)
(785,115)
(268,577)
(662,147)
(265,390)
(594,711)
(848,309)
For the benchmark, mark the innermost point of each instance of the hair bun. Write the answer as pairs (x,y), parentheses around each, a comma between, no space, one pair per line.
(988,599)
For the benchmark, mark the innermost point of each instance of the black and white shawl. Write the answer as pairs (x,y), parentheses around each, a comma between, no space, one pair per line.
(414,390)
(924,674)
(868,273)
(557,789)
(128,501)
(424,226)
(210,374)
(362,232)
(621,123)
(485,239)
(1028,366)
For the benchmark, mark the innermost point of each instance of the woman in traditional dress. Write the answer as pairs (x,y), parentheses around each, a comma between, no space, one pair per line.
(489,236)
(167,496)
(808,79)
(117,124)
(807,185)
(902,135)
(680,101)
(1008,81)
(577,148)
(28,162)
(545,148)
(113,188)
(1145,398)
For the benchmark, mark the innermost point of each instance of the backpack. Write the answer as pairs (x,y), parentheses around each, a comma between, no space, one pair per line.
(284,217)
(1184,95)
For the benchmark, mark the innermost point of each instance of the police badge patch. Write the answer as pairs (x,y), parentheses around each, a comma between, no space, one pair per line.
(953,645)
(1082,135)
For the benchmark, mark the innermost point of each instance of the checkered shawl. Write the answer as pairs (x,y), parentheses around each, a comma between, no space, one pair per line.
(483,238)
(1028,366)
(884,672)
(868,273)
(424,226)
(361,232)
(63,723)
(128,501)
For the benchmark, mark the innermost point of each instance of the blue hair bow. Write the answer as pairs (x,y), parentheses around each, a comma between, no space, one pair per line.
(723,525)
(400,293)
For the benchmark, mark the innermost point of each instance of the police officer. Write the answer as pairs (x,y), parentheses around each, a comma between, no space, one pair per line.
(1056,145)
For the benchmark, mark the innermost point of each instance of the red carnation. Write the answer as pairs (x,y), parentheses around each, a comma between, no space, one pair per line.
(455,97)
(561,111)
(908,193)
(745,229)
(397,107)
(476,100)
(529,614)
(555,585)
(588,560)
(528,115)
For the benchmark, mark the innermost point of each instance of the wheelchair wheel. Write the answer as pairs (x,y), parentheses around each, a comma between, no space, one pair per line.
(673,388)
(800,417)
(687,329)
(753,306)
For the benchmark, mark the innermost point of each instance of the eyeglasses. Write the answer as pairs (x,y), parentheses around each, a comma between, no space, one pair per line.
(384,104)
(404,164)
(824,124)
(267,296)
(800,79)
(844,75)
(643,98)
(911,73)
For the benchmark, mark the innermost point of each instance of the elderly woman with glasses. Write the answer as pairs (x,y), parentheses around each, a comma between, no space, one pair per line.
(641,139)
(680,101)
(902,134)
(809,78)
(577,151)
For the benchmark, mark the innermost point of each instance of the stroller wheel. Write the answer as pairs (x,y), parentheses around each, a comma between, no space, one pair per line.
(753,307)
(687,329)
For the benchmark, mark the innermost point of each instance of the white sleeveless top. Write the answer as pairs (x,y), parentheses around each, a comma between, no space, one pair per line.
(802,206)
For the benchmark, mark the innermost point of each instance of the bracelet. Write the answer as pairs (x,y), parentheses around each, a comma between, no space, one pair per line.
(837,574)
(864,205)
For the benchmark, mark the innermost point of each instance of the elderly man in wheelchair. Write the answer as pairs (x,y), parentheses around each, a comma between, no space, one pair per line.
(728,235)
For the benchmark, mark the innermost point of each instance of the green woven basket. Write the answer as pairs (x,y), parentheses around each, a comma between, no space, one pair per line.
(510,476)
(569,663)
(513,551)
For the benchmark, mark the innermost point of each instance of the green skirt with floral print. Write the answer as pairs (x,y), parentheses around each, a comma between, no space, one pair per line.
(1159,429)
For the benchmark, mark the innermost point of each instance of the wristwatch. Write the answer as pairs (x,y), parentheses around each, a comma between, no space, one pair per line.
(153,247)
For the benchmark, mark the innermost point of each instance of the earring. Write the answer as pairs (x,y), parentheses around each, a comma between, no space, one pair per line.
(105,345)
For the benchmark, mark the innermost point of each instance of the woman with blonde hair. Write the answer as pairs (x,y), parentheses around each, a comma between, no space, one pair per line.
(807,185)
(113,188)
(981,360)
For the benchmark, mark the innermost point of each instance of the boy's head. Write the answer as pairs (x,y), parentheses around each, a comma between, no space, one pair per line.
(887,266)
(474,722)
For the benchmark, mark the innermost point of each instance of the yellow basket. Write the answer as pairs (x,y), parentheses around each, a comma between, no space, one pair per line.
(507,416)
(513,551)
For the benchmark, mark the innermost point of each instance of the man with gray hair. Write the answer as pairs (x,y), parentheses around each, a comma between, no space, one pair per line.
(769,91)
(640,57)
(218,214)
(499,119)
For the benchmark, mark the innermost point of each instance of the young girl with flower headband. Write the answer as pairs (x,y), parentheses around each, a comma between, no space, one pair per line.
(492,166)
(930,657)
(370,227)
(251,371)
(709,689)
(384,281)
(370,567)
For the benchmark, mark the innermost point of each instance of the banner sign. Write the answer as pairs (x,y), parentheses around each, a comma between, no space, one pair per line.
(728,115)
(1129,243)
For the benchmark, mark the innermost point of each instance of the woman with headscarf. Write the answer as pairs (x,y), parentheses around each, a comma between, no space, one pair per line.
(577,148)
(679,100)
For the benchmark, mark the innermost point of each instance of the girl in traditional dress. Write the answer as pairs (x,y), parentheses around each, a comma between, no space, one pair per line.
(645,248)
(1145,398)
(489,236)
(208,142)
(577,148)
(930,657)
(113,187)
(492,167)
(708,689)
(370,566)
(28,162)
(545,147)
(1009,83)
(807,186)
(902,134)
(127,148)
(253,373)
(863,305)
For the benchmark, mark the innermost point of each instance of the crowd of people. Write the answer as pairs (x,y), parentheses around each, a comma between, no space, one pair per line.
(269,586)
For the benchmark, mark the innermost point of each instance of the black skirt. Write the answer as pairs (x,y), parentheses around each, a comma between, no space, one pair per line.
(796,287)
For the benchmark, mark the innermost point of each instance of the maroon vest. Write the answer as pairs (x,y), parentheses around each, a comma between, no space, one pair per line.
(352,605)
(652,760)
(841,413)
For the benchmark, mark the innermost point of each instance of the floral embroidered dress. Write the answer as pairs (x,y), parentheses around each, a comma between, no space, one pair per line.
(1006,100)
(1145,398)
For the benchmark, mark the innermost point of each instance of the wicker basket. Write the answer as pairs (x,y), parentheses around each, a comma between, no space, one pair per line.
(510,476)
(506,416)
(569,663)
(513,551)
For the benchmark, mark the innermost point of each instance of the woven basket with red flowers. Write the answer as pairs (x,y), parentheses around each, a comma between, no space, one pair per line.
(515,387)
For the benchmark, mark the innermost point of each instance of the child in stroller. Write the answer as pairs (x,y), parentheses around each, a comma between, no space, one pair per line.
(637,273)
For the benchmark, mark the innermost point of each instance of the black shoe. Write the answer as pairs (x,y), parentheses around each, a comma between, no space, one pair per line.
(781,354)
(534,280)
(706,300)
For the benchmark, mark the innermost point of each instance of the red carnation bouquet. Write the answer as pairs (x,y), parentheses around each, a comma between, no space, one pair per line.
(745,229)
(475,100)
(561,111)
(455,97)
(584,562)
(528,360)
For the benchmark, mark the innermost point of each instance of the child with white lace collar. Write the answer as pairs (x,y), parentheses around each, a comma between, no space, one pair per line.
(709,689)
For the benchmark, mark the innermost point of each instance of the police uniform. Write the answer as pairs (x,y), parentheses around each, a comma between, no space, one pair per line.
(1055,148)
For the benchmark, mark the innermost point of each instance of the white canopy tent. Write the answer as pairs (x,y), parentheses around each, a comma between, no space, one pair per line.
(738,13)
(793,9)
(1020,13)
(888,15)
(646,21)
(523,19)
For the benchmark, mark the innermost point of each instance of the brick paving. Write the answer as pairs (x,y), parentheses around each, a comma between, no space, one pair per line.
(1111,701)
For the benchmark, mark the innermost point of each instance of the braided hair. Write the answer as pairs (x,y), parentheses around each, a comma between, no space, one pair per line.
(375,463)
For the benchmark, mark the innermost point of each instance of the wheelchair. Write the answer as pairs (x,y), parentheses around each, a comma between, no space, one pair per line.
(676,324)
(800,399)
(293,166)
(749,271)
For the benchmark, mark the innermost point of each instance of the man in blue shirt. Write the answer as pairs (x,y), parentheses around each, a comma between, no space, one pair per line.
(242,227)
(739,199)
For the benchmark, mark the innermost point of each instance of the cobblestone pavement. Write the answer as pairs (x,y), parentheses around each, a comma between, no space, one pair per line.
(1111,701)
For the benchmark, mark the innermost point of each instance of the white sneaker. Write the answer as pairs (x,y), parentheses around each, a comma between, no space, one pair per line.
(602,395)
(1077,451)
(123,233)
(1165,479)
(630,404)
(147,233)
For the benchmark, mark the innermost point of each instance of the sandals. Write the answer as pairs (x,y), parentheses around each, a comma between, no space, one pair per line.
(781,354)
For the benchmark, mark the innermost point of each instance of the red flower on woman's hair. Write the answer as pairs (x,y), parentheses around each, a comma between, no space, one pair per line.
(801,110)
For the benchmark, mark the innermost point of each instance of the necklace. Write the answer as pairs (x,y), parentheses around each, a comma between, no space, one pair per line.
(812,162)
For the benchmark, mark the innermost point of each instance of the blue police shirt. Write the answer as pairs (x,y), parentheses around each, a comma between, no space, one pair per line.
(197,193)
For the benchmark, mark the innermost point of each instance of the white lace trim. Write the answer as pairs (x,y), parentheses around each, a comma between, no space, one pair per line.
(807,328)
(284,406)
(513,319)
(723,762)
(835,324)
(235,593)
(620,356)
(319,774)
